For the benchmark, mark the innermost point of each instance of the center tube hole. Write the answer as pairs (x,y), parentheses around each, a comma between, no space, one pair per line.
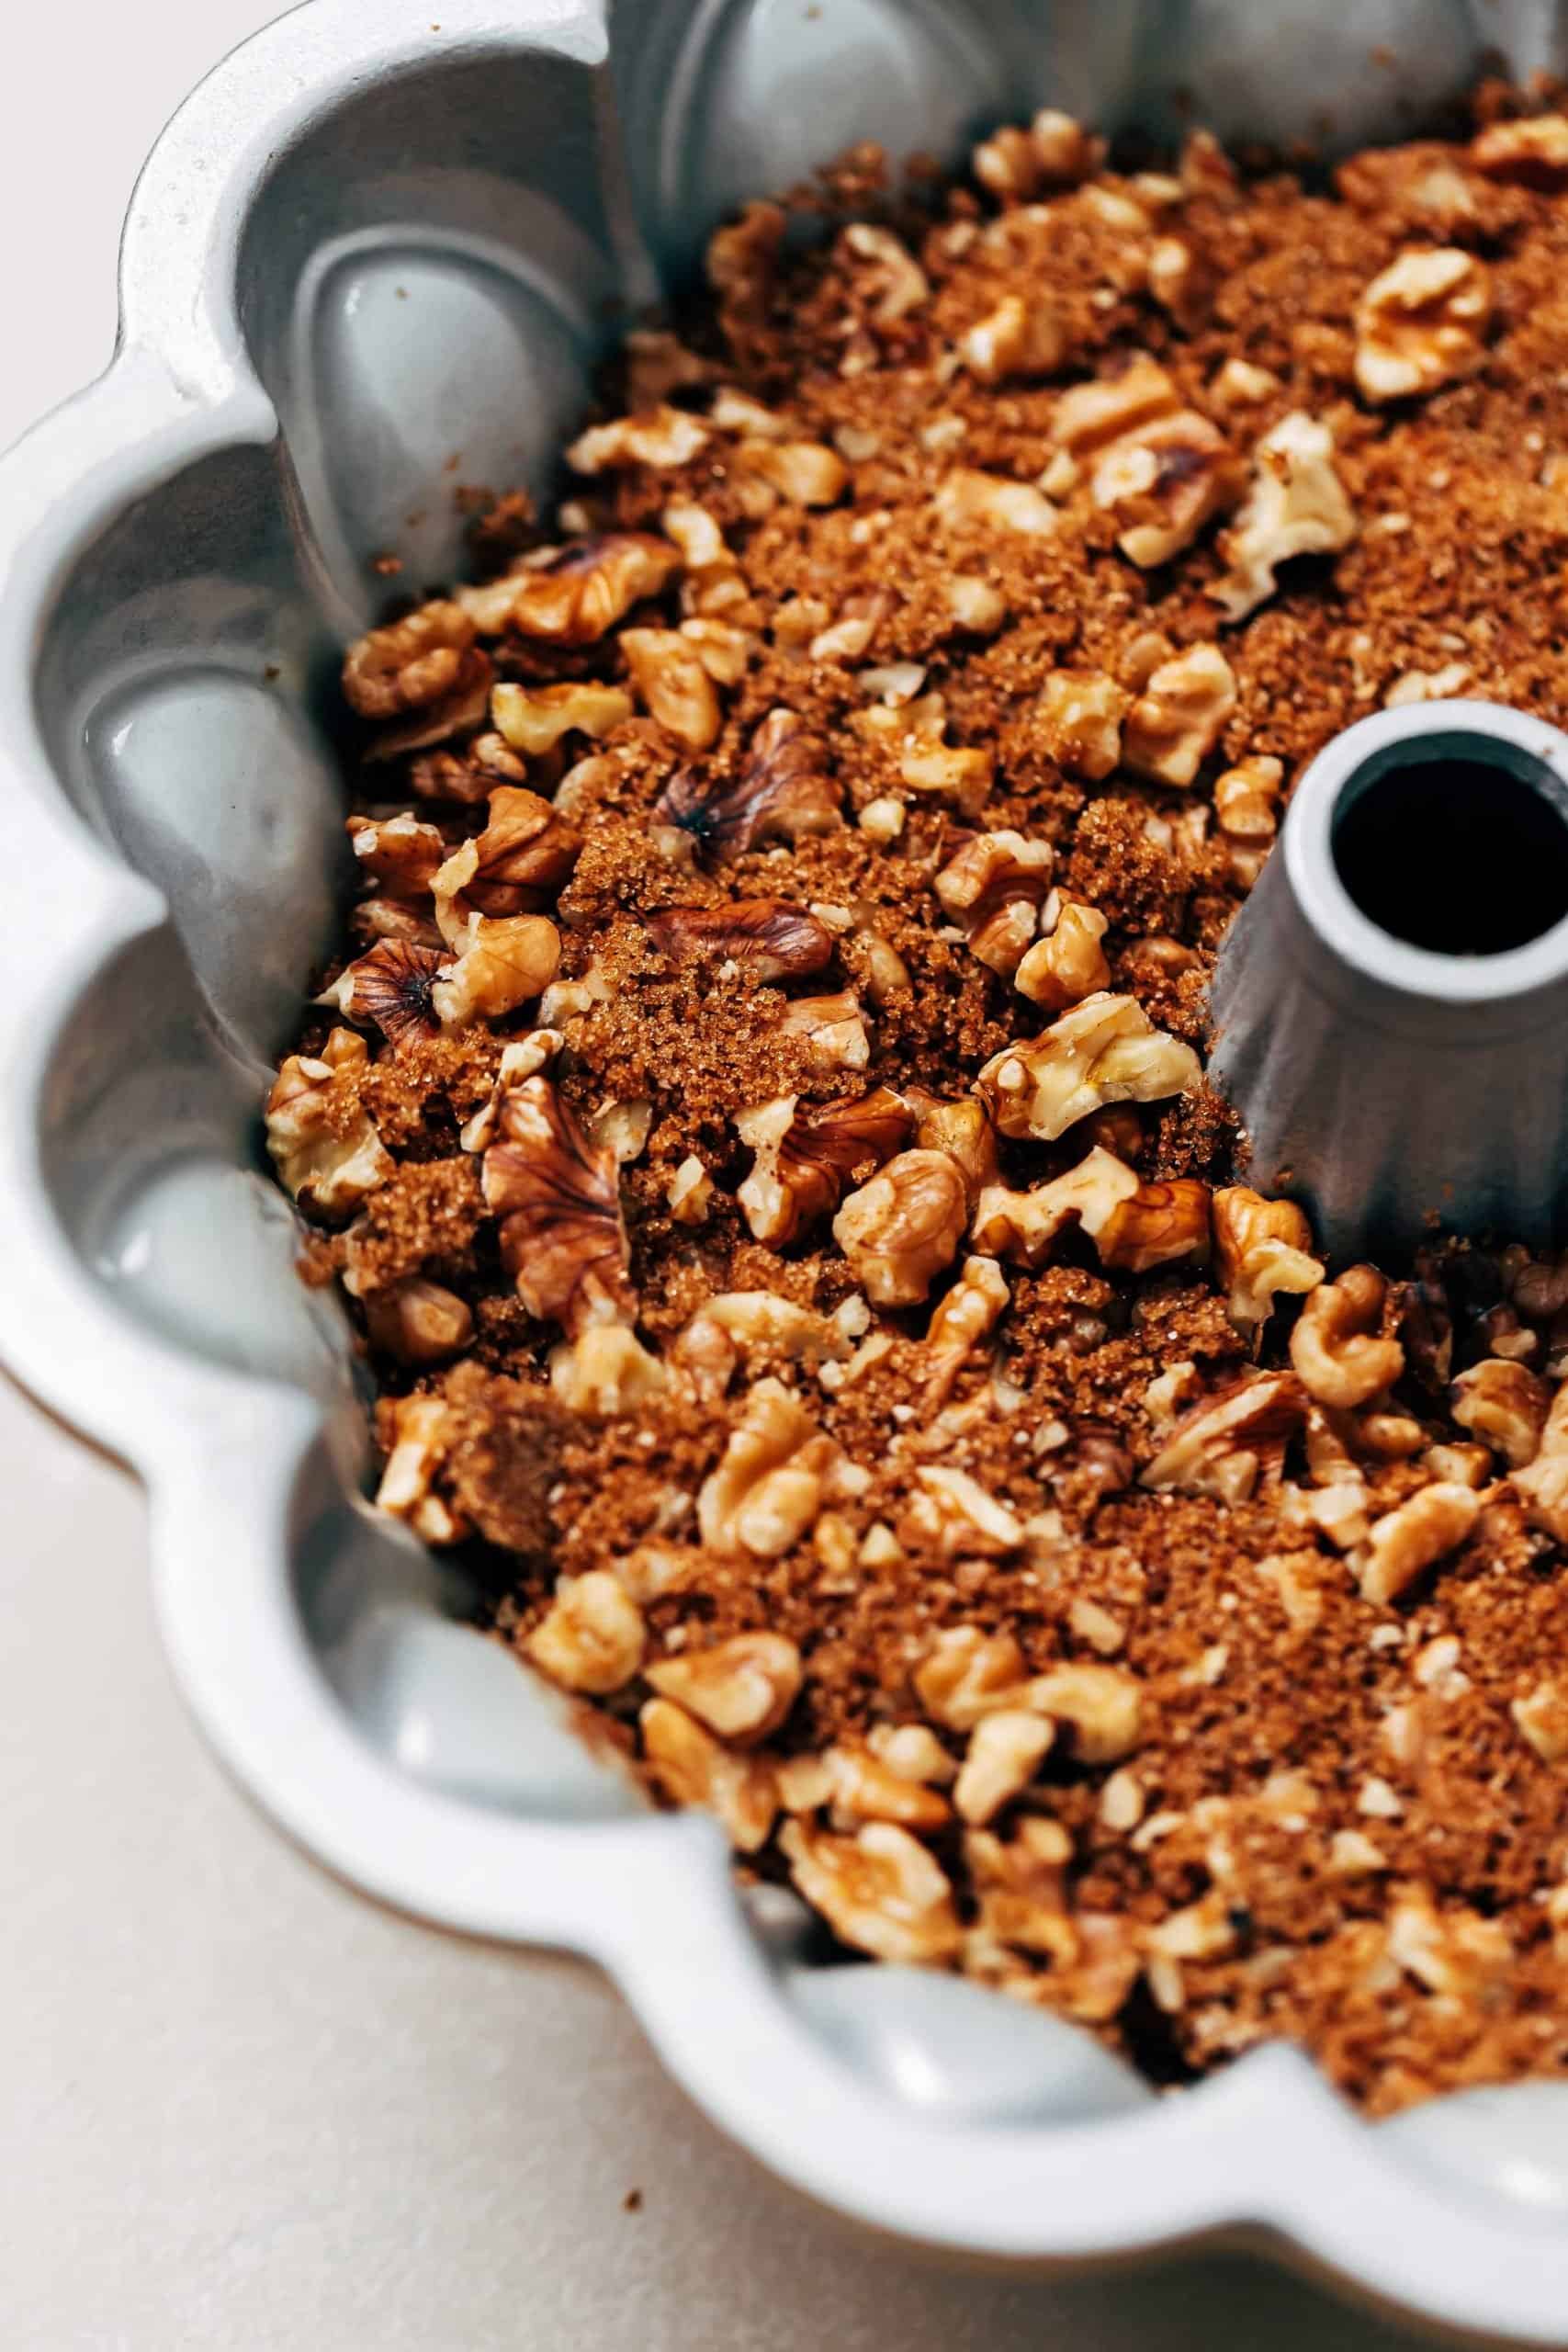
(1463,851)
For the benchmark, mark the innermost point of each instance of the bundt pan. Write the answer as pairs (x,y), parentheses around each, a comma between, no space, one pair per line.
(371,244)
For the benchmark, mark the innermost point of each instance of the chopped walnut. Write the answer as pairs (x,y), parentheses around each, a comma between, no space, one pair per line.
(1015,339)
(892,279)
(592,1637)
(1080,720)
(911,1752)
(1246,805)
(833,1029)
(1427,685)
(772,938)
(658,363)
(1105,1050)
(993,888)
(557,1199)
(417,665)
(1239,384)
(419,1322)
(1162,482)
(1155,1225)
(1220,1446)
(880,1890)
(967,1674)
(741,1690)
(421,1432)
(576,594)
(1341,1360)
(1179,282)
(859,1787)
(394,987)
(899,1230)
(1544,1482)
(783,793)
(534,718)
(961,773)
(806,473)
(776,1472)
(325,1146)
(962,1129)
(807,1157)
(953,1516)
(505,964)
(1094,417)
(979,502)
(965,1317)
(1101,1705)
(1054,152)
(517,865)
(605,1372)
(1406,1541)
(748,1323)
(661,437)
(1534,153)
(1021,1885)
(1261,1248)
(1180,716)
(1297,505)
(1505,1405)
(1542,1716)
(1067,962)
(1422,322)
(398,855)
(1005,1752)
(674,684)
(693,1768)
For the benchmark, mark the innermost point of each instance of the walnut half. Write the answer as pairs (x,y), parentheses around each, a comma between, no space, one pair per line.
(1105,1050)
(558,1197)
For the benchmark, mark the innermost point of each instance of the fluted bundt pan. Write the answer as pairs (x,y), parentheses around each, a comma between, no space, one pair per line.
(370,244)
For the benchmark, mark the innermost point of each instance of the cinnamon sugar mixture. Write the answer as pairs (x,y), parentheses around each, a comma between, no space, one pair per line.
(760,1117)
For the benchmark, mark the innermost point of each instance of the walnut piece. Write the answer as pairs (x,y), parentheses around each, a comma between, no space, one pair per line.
(1406,1541)
(1296,506)
(557,1199)
(1079,719)
(693,1768)
(532,720)
(1101,1705)
(1340,1361)
(1261,1248)
(418,1321)
(741,1688)
(661,437)
(967,1314)
(891,278)
(994,887)
(421,1432)
(325,1146)
(575,594)
(807,1157)
(1021,1883)
(1220,1446)
(1180,716)
(776,1472)
(773,939)
(417,665)
(833,1029)
(805,473)
(1543,1483)
(394,987)
(972,501)
(1017,338)
(672,682)
(592,1637)
(505,964)
(1105,1050)
(1163,482)
(1067,962)
(1245,810)
(1005,1752)
(953,1516)
(516,865)
(1055,152)
(1505,1405)
(1134,1225)
(397,856)
(879,1891)
(783,793)
(1422,322)
(1532,153)
(1542,1716)
(903,1228)
(605,1372)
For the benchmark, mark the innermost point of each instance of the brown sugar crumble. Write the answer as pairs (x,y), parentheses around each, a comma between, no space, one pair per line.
(759,1117)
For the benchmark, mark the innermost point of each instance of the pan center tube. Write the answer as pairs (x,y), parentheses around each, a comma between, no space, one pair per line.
(1391,1005)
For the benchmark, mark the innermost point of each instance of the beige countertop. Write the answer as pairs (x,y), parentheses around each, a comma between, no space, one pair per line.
(244,2110)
